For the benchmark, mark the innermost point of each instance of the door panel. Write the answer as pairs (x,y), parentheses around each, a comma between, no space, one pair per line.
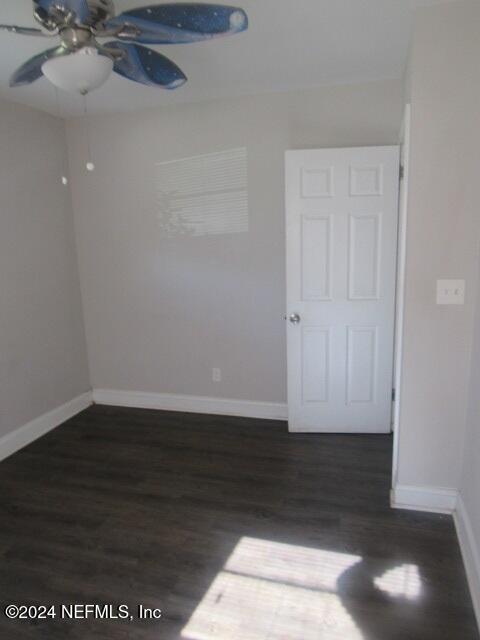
(315,347)
(316,250)
(364,256)
(342,207)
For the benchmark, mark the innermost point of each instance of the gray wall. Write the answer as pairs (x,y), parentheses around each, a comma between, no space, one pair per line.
(443,233)
(42,346)
(161,312)
(470,487)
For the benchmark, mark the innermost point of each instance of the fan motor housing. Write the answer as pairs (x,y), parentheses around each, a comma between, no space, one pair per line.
(56,17)
(74,38)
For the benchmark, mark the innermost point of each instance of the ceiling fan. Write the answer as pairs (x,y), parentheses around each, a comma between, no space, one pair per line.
(81,63)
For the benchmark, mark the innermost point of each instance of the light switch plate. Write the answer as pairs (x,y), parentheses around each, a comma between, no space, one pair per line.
(450,291)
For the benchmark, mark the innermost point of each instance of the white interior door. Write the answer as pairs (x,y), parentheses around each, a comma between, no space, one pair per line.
(342,213)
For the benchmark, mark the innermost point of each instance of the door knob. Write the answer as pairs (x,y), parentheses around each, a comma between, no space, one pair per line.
(294,318)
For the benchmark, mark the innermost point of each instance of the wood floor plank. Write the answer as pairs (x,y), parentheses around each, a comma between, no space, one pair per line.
(234,528)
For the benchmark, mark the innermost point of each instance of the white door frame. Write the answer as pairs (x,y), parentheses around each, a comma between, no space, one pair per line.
(400,293)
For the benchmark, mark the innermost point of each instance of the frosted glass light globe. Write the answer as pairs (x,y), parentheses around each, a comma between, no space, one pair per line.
(82,71)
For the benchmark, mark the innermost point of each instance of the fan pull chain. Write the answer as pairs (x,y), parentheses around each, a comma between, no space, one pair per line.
(90,165)
(64,177)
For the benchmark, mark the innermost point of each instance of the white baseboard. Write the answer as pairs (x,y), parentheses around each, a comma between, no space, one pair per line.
(38,427)
(434,499)
(191,404)
(470,552)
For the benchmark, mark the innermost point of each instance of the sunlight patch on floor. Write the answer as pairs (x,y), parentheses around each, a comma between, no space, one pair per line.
(401,581)
(289,564)
(275,591)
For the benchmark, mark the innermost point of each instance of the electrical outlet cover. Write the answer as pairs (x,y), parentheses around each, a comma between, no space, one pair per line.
(450,292)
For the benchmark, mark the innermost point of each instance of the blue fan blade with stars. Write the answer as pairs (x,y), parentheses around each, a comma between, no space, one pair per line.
(146,66)
(32,69)
(181,23)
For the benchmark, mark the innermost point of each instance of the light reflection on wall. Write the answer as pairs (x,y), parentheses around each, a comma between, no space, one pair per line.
(203,195)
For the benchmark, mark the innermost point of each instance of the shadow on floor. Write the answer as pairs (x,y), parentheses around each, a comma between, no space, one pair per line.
(234,528)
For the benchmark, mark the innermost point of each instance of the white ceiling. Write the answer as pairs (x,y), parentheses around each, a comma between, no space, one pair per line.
(291,44)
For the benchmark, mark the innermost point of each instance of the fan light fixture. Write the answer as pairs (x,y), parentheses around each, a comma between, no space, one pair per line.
(82,71)
(80,63)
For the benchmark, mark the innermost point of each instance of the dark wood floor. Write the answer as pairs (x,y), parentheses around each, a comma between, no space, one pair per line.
(235,529)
